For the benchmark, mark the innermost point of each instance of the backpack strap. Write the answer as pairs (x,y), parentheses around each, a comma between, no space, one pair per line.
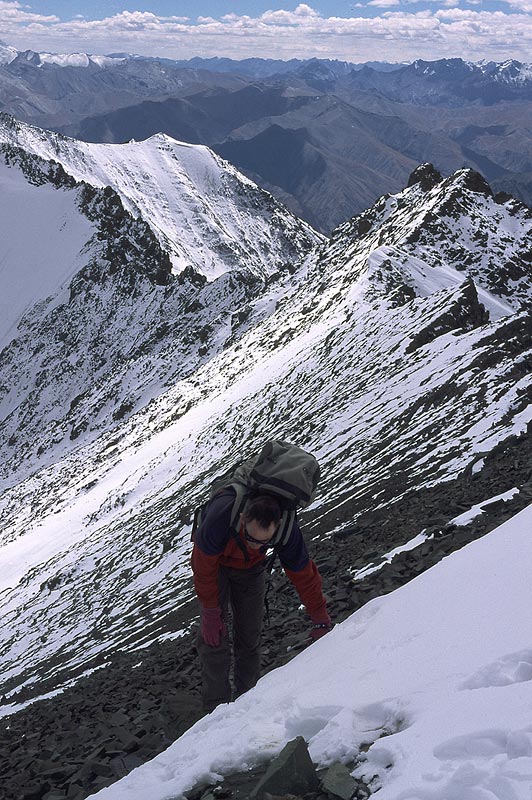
(238,507)
(285,527)
(236,510)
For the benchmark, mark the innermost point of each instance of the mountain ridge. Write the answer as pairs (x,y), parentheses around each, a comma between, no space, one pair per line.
(170,328)
(177,173)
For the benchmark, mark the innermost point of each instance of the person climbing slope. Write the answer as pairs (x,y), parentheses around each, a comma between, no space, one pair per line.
(251,511)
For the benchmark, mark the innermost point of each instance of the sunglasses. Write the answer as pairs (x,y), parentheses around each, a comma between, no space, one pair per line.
(261,542)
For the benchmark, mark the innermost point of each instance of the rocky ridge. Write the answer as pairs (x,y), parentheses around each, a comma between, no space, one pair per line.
(401,383)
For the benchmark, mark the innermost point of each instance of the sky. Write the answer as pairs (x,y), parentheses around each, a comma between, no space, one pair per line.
(435,679)
(358,31)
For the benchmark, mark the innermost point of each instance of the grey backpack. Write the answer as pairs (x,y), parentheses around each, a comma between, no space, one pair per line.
(280,469)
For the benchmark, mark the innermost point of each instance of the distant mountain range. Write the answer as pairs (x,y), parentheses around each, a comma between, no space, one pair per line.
(326,138)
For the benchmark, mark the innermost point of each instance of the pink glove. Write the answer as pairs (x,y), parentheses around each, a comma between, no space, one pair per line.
(212,626)
(321,624)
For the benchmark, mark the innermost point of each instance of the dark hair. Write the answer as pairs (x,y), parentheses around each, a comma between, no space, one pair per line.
(264,509)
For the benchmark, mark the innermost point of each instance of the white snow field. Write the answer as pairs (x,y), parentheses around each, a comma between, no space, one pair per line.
(39,258)
(436,677)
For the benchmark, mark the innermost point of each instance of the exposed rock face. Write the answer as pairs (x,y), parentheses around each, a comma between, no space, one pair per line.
(466,314)
(292,771)
(427,177)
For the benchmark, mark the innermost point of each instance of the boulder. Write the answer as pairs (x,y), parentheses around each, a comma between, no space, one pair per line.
(338,782)
(291,772)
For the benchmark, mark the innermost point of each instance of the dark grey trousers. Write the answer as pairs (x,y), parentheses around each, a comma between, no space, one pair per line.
(241,590)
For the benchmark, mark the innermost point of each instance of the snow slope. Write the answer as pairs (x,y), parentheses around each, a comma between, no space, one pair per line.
(37,266)
(436,677)
(106,340)
(205,213)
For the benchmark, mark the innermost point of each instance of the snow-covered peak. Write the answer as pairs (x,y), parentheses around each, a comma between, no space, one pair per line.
(78,60)
(443,67)
(206,214)
(40,59)
(511,71)
(437,232)
(7,53)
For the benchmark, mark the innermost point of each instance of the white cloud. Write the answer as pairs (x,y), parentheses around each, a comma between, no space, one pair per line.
(384,3)
(392,35)
(13,13)
(521,5)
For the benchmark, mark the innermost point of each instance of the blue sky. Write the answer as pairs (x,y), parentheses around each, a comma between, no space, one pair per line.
(95,9)
(359,30)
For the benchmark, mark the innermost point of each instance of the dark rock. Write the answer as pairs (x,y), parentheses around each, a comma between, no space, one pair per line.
(34,791)
(338,782)
(426,175)
(291,771)
(103,769)
(475,182)
(269,796)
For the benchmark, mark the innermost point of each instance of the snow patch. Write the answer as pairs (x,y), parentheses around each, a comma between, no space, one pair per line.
(387,558)
(477,510)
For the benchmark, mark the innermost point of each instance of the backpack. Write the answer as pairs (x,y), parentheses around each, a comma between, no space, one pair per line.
(282,470)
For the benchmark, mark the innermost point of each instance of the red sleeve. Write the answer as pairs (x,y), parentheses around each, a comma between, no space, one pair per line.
(307,582)
(205,571)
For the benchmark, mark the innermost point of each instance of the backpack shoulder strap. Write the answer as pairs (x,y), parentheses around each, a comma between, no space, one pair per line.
(239,503)
(285,527)
(237,508)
